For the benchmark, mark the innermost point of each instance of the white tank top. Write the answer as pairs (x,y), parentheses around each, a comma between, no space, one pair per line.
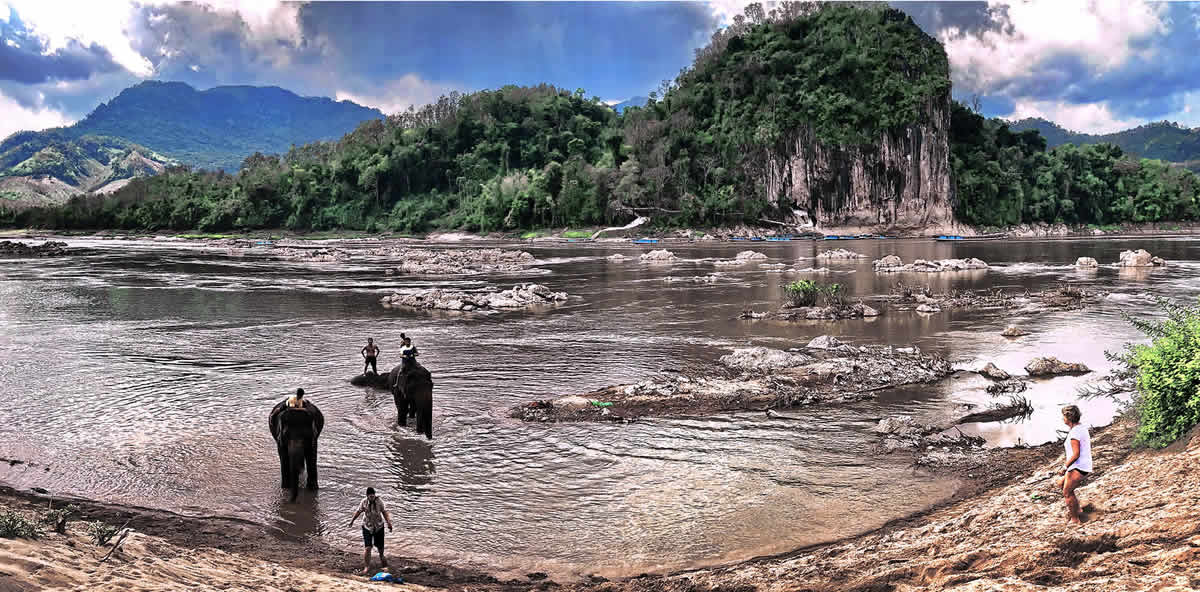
(1084,463)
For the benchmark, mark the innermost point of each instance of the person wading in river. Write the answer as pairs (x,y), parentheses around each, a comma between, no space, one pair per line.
(369,354)
(1078,447)
(374,515)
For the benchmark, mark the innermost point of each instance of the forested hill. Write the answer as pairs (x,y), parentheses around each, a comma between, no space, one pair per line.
(212,129)
(1161,140)
(837,111)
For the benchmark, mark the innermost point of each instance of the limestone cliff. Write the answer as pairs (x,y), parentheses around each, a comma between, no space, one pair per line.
(903,180)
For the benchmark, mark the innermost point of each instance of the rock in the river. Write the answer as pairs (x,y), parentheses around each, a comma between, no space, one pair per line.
(743,257)
(616,257)
(46,249)
(763,358)
(929,308)
(1013,331)
(659,255)
(1086,262)
(844,254)
(824,342)
(456,261)
(994,373)
(892,263)
(318,255)
(1051,366)
(519,296)
(1139,258)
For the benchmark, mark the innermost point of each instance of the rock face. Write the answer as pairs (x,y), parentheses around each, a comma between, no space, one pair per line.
(892,263)
(901,179)
(1013,331)
(994,373)
(845,254)
(659,256)
(1139,258)
(1051,366)
(1086,262)
(519,296)
(46,249)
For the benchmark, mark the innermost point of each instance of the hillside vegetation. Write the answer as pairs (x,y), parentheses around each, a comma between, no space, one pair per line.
(1162,140)
(704,150)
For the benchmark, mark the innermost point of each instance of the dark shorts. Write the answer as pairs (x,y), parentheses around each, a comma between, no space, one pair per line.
(371,360)
(373,539)
(1081,472)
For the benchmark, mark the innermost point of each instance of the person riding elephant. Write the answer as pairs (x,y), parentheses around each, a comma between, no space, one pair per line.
(295,424)
(412,391)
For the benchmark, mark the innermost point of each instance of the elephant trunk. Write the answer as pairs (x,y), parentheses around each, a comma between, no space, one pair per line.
(295,464)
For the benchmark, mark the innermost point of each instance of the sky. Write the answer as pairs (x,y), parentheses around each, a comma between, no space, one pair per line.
(1094,66)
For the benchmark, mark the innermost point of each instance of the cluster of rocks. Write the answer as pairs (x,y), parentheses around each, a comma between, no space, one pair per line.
(46,249)
(759,379)
(1064,297)
(616,257)
(785,269)
(1086,263)
(455,261)
(893,264)
(711,278)
(519,296)
(742,258)
(856,310)
(902,433)
(659,256)
(840,254)
(1013,331)
(1140,258)
(317,255)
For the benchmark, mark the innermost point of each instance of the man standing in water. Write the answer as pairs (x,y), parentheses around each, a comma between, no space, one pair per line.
(1078,448)
(374,515)
(369,354)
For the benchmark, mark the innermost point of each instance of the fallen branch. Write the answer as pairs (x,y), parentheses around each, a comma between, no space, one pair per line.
(124,533)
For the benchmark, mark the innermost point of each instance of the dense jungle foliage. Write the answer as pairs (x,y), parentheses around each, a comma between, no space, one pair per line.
(695,154)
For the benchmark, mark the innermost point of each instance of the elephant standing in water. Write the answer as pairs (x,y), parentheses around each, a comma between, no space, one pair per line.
(412,391)
(295,430)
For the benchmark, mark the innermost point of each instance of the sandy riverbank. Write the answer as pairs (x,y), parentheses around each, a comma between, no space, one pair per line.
(1003,531)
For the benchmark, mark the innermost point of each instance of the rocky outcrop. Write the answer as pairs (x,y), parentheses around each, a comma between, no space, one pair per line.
(761,380)
(902,433)
(455,261)
(1051,366)
(742,258)
(855,310)
(317,255)
(993,372)
(929,308)
(711,278)
(899,179)
(659,256)
(616,257)
(892,263)
(1086,263)
(46,249)
(825,342)
(1013,331)
(842,254)
(1139,258)
(519,296)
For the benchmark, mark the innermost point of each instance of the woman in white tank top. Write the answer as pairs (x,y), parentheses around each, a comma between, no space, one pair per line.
(1078,449)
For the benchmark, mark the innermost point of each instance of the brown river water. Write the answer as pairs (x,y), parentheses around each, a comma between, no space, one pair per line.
(142,373)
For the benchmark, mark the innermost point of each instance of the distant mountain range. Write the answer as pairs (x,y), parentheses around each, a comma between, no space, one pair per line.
(1161,140)
(154,124)
(633,102)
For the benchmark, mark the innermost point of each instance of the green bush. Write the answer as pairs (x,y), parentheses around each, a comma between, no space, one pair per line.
(1167,374)
(57,518)
(577,234)
(101,533)
(15,525)
(802,293)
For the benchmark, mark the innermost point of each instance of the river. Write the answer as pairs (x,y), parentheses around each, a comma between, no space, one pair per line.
(142,373)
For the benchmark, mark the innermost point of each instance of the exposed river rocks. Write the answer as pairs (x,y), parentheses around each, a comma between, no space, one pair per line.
(1139,258)
(752,379)
(46,249)
(742,258)
(411,261)
(659,256)
(519,296)
(843,254)
(893,264)
(1051,366)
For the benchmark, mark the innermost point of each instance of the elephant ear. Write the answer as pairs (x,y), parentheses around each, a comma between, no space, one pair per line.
(273,419)
(318,418)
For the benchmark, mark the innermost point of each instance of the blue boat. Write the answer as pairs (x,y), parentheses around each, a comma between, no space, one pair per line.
(739,238)
(779,238)
(948,238)
(756,238)
(645,241)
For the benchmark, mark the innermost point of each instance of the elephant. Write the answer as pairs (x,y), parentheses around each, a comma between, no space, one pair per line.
(295,431)
(371,379)
(412,391)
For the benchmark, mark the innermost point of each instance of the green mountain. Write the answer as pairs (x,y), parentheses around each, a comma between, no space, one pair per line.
(1161,140)
(168,123)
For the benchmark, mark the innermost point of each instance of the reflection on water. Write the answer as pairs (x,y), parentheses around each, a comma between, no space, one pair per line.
(144,374)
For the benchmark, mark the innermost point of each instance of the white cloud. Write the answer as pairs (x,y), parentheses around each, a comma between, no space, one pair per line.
(18,118)
(1100,32)
(395,96)
(723,11)
(1091,118)
(194,68)
(108,23)
(11,43)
